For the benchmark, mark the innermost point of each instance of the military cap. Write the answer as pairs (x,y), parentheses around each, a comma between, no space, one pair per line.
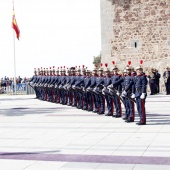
(53,68)
(95,68)
(83,69)
(79,69)
(106,68)
(114,66)
(128,67)
(35,70)
(64,69)
(72,69)
(58,70)
(124,71)
(100,68)
(167,66)
(140,67)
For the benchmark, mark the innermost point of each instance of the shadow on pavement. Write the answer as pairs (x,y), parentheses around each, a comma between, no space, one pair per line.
(158,119)
(26,153)
(21,111)
(14,99)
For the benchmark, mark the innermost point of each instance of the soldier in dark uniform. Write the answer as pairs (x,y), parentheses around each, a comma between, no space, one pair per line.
(98,89)
(125,116)
(47,84)
(59,86)
(56,85)
(78,86)
(82,85)
(88,102)
(51,85)
(129,103)
(43,85)
(72,82)
(36,84)
(116,91)
(63,96)
(140,91)
(166,76)
(32,82)
(68,91)
(39,84)
(107,82)
(91,87)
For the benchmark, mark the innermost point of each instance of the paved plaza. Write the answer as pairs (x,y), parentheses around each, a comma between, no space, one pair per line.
(38,135)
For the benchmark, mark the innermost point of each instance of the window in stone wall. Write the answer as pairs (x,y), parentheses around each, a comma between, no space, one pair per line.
(135,44)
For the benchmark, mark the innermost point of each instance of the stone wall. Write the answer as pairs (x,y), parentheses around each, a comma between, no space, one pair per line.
(135,30)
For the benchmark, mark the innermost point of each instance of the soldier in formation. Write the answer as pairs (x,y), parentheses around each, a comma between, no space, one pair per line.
(79,87)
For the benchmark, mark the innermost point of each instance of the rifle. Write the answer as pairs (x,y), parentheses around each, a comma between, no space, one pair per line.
(96,93)
(31,86)
(133,100)
(114,93)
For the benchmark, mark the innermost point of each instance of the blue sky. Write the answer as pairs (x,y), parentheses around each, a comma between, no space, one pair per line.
(53,33)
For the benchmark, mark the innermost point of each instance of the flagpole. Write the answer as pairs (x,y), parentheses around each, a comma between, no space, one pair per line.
(15,85)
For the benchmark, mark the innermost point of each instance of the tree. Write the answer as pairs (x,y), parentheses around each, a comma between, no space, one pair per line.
(97,60)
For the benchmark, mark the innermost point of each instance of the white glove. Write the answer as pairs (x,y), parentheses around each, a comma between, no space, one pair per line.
(73,86)
(89,89)
(118,93)
(133,96)
(124,93)
(142,95)
(110,86)
(95,89)
(103,90)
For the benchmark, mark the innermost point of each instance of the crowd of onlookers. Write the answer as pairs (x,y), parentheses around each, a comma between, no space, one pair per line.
(7,84)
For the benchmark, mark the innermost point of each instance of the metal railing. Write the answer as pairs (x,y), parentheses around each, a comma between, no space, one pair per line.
(21,88)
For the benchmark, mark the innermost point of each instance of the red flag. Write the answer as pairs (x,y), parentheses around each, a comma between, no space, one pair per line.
(15,26)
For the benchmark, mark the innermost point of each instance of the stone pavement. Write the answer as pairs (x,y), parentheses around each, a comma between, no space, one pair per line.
(38,135)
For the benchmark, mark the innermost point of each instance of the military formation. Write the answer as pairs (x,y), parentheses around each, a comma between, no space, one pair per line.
(95,90)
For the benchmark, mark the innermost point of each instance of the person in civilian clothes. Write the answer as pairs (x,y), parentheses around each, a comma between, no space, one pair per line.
(157,80)
(166,76)
(152,78)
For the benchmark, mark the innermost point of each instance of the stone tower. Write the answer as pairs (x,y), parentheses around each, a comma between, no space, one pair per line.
(135,30)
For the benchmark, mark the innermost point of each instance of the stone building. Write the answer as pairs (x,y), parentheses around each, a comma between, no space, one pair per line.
(134,30)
